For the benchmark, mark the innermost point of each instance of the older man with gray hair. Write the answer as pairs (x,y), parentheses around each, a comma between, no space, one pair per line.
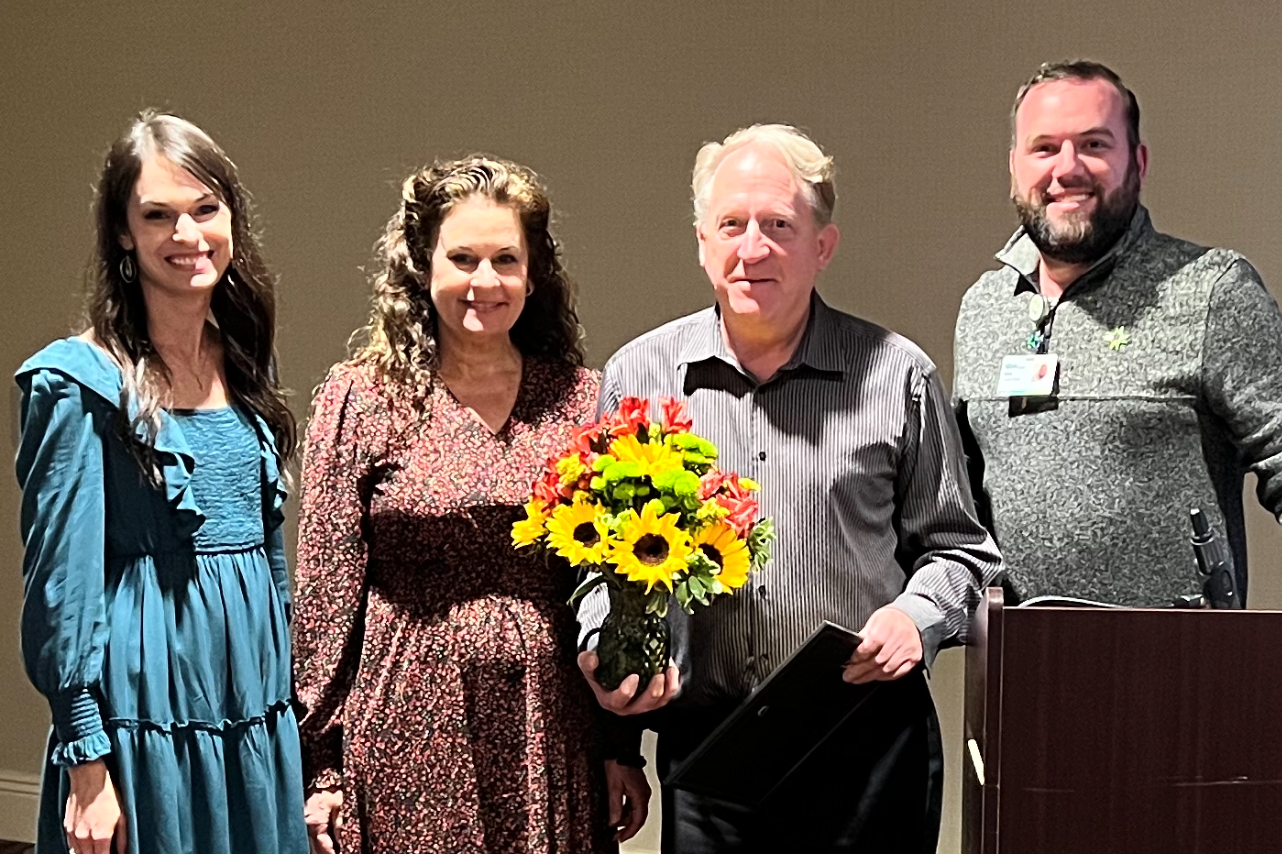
(848,429)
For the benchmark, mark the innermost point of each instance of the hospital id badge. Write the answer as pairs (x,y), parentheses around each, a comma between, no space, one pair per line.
(1031,375)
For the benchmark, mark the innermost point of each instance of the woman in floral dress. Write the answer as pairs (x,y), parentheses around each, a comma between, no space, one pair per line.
(444,708)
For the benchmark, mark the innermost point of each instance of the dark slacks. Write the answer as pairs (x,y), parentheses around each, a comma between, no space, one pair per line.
(875,786)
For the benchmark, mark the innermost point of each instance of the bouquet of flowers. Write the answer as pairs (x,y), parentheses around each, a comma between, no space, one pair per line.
(644,505)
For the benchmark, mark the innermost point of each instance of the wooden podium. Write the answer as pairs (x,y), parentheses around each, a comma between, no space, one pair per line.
(1122,730)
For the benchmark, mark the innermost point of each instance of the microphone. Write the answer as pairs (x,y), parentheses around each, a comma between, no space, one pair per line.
(1219,587)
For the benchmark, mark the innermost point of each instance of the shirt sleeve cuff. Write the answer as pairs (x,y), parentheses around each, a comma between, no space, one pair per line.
(930,622)
(619,738)
(77,723)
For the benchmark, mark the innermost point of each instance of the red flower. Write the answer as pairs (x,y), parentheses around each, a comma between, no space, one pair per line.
(742,517)
(710,483)
(583,440)
(740,502)
(675,419)
(548,488)
(632,415)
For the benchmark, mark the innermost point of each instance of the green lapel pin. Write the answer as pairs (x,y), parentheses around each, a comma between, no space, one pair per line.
(1117,338)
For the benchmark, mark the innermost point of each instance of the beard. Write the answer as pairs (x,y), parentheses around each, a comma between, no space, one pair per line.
(1080,238)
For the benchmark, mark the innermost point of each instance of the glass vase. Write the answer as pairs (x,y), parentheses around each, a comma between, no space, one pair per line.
(630,640)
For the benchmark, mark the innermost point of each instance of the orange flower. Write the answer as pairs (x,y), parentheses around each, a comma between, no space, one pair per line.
(586,441)
(742,505)
(675,419)
(710,483)
(549,488)
(633,414)
(742,516)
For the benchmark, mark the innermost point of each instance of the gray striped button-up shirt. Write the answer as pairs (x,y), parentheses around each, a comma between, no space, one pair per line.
(855,447)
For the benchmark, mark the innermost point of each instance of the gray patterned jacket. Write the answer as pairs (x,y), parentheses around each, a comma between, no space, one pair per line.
(1169,390)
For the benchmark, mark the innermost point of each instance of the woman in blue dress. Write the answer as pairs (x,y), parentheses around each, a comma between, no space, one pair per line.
(156,606)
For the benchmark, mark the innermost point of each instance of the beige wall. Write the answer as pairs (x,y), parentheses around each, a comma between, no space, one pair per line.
(326,105)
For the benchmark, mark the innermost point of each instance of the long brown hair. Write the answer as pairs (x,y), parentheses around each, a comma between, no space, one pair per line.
(400,341)
(244,300)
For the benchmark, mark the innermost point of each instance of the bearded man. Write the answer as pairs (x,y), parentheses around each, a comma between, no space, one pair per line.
(1108,378)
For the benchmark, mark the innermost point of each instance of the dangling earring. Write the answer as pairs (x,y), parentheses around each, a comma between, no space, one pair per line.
(128,271)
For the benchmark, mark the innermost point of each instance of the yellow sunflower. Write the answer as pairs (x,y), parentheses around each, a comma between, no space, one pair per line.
(651,548)
(577,533)
(527,531)
(724,548)
(653,457)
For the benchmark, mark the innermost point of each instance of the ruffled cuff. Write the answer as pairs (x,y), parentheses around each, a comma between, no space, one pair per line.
(273,476)
(77,722)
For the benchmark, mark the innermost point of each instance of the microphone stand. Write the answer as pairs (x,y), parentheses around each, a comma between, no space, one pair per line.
(1214,567)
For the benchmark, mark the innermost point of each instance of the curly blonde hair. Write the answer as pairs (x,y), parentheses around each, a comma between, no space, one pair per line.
(400,340)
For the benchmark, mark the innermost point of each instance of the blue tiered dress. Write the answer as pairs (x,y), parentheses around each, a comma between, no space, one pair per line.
(156,618)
